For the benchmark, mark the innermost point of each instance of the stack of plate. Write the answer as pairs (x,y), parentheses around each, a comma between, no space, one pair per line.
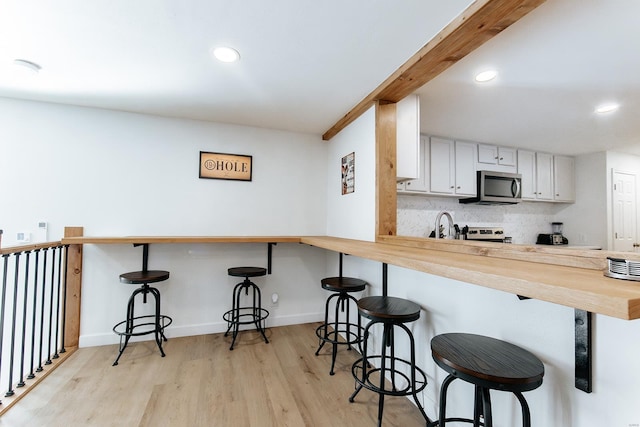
(623,269)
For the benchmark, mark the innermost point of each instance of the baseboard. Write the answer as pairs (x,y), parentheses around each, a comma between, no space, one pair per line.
(95,340)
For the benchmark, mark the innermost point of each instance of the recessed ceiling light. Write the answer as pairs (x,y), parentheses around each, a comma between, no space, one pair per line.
(486,76)
(607,108)
(226,54)
(27,65)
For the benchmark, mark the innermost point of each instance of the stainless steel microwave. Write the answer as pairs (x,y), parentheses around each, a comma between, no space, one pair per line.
(496,188)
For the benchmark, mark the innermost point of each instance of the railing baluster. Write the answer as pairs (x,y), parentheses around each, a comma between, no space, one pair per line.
(64,296)
(56,355)
(44,286)
(14,308)
(24,318)
(53,275)
(32,374)
(4,299)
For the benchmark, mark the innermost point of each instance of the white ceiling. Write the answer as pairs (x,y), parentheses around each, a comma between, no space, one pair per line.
(555,66)
(304,64)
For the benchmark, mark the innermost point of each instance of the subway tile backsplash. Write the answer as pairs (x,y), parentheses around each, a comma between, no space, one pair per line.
(523,221)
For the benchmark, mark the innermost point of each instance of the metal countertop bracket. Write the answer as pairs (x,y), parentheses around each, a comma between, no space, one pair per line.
(385,287)
(270,255)
(583,349)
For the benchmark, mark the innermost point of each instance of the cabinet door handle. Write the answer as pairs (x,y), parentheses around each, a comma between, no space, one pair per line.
(557,195)
(458,187)
(451,186)
(408,183)
(501,158)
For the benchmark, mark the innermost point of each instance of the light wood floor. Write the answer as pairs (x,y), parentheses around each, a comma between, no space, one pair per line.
(201,383)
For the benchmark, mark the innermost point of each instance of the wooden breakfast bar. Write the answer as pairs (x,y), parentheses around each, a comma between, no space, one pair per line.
(571,278)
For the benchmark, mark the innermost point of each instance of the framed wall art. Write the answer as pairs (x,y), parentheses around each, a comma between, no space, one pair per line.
(235,167)
(348,173)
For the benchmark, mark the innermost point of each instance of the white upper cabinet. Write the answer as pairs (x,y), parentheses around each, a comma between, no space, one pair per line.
(421,184)
(564,179)
(408,138)
(442,165)
(544,176)
(465,153)
(496,158)
(537,175)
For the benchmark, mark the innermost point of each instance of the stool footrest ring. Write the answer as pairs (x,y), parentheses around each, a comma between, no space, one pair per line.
(364,378)
(252,315)
(164,322)
(350,330)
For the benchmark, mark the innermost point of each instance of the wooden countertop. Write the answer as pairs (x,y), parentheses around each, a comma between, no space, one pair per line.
(568,277)
(572,286)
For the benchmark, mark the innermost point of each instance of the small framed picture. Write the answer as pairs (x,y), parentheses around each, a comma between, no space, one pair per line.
(348,173)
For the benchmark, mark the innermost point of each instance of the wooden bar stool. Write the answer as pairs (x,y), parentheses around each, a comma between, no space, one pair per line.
(393,313)
(487,363)
(247,314)
(341,288)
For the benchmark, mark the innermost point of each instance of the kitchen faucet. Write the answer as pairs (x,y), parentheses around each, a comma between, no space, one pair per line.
(438,218)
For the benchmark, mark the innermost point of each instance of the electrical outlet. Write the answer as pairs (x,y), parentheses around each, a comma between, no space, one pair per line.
(275,299)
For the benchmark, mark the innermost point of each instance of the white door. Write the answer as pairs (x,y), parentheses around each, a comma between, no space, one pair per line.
(624,211)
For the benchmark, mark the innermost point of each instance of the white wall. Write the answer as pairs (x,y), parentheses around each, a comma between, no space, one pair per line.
(353,215)
(121,174)
(585,221)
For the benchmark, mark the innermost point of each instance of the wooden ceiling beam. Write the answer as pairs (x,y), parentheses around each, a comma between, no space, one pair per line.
(480,22)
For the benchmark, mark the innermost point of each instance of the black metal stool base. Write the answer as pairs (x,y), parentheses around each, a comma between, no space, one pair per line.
(392,313)
(246,315)
(142,325)
(351,331)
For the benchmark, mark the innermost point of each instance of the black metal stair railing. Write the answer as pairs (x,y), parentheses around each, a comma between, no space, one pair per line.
(32,305)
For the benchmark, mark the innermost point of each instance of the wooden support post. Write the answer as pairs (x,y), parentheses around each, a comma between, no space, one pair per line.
(386,198)
(74,288)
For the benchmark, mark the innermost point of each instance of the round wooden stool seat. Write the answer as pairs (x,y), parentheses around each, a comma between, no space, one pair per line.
(144,277)
(247,271)
(343,284)
(488,364)
(389,309)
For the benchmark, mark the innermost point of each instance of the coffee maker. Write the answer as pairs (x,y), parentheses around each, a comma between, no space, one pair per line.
(555,238)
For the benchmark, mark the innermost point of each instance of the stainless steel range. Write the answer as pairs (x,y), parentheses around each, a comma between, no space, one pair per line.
(486,234)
